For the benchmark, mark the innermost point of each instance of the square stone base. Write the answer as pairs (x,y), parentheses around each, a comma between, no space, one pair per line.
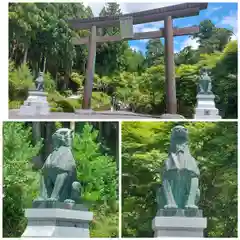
(206,107)
(36,104)
(179,226)
(57,223)
(206,113)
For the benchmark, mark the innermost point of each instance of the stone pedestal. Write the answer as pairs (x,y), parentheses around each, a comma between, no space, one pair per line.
(57,223)
(206,107)
(179,223)
(176,226)
(36,104)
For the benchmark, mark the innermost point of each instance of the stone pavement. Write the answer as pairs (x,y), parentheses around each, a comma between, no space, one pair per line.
(88,115)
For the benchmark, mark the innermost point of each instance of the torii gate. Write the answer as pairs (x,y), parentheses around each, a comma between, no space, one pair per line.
(126,22)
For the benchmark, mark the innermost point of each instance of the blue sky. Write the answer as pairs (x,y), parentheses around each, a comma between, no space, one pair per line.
(221,14)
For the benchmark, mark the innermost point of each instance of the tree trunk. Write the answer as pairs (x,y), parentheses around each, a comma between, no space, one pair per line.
(117,146)
(40,63)
(12,53)
(36,131)
(35,69)
(72,126)
(48,139)
(100,128)
(25,55)
(36,134)
(44,64)
(66,81)
(43,61)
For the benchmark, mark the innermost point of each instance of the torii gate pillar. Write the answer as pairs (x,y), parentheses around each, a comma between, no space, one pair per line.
(86,104)
(171,99)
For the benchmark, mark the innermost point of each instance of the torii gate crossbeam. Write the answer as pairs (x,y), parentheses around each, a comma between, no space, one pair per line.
(167,14)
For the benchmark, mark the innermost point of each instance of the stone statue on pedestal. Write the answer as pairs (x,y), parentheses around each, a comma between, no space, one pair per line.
(40,82)
(57,212)
(205,107)
(59,176)
(205,82)
(179,188)
(37,103)
(178,214)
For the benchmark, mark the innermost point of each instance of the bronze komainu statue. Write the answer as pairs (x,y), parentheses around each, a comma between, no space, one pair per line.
(59,176)
(179,188)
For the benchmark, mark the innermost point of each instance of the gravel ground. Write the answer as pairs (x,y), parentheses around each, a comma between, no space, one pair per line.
(13,114)
(86,114)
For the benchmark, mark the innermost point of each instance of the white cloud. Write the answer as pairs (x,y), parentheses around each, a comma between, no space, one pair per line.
(217,8)
(212,10)
(137,7)
(95,6)
(133,7)
(233,37)
(190,42)
(144,40)
(148,27)
(231,21)
(135,48)
(176,50)
(127,7)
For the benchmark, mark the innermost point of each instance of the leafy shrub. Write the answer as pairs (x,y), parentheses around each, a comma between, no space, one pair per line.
(74,102)
(225,83)
(186,86)
(56,109)
(65,105)
(95,169)
(67,93)
(49,83)
(108,222)
(60,104)
(100,100)
(78,79)
(20,80)
(53,98)
(17,174)
(97,173)
(15,104)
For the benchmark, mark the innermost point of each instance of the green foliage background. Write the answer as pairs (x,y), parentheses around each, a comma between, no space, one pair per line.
(96,170)
(144,149)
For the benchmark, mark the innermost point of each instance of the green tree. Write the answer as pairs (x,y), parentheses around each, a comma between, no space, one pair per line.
(144,149)
(109,58)
(134,61)
(155,52)
(20,80)
(187,56)
(98,175)
(96,171)
(211,38)
(225,82)
(19,179)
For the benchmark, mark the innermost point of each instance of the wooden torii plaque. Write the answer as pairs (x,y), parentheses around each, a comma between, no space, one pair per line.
(166,14)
